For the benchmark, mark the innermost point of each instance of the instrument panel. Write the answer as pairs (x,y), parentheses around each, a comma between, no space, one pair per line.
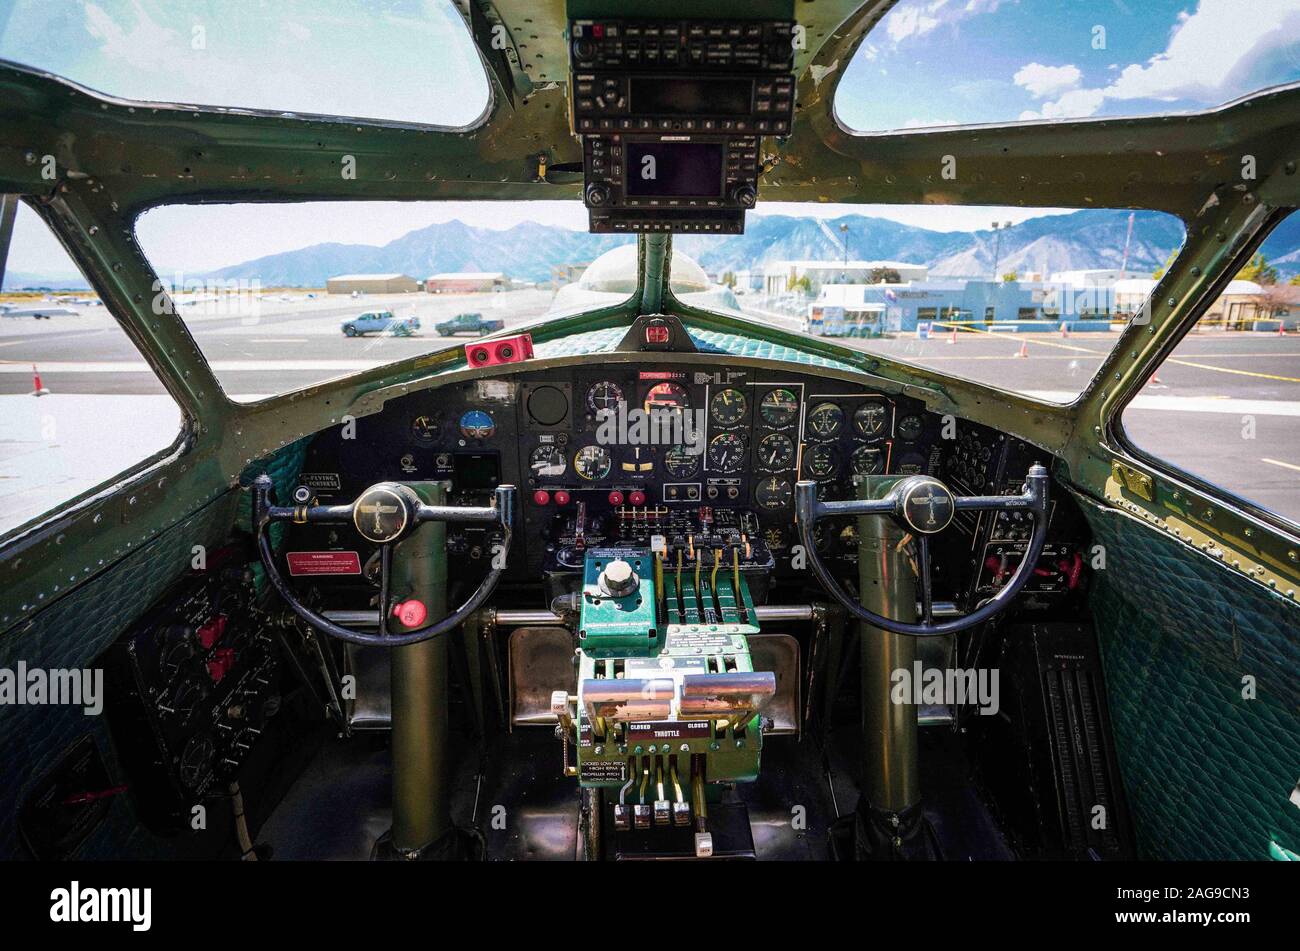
(628,450)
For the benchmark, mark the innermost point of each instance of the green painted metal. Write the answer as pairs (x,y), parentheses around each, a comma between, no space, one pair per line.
(117,158)
(421,777)
(887,586)
(610,626)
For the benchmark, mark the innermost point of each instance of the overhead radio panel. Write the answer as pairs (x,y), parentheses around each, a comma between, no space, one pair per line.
(671,113)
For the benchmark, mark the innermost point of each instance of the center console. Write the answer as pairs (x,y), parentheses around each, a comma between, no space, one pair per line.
(671,113)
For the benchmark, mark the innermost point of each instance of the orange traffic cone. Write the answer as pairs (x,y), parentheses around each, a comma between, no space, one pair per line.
(1024,350)
(37,389)
(1155,380)
(1065,329)
(1281,328)
(953,338)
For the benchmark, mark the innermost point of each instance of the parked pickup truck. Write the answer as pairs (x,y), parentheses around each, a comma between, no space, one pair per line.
(469,324)
(380,321)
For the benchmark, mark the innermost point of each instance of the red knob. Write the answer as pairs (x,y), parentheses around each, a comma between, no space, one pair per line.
(637,497)
(411,613)
(541,497)
(561,498)
(616,498)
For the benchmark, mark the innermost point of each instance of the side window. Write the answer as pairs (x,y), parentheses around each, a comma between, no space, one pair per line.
(1225,405)
(78,404)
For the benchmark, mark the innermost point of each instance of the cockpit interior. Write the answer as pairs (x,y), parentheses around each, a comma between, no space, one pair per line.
(654,578)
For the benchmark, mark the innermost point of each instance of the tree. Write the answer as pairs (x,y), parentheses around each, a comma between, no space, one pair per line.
(1295,280)
(799,284)
(728,278)
(1010,277)
(1160,271)
(1258,270)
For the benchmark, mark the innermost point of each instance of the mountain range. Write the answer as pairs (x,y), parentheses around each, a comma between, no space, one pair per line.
(528,251)
(1071,241)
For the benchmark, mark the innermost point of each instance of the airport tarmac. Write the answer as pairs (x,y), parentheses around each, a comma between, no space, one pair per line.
(1226,405)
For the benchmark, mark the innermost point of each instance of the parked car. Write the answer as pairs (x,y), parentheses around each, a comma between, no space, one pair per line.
(469,324)
(380,321)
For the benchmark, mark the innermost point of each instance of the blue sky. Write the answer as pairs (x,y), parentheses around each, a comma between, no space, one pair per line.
(938,62)
(928,62)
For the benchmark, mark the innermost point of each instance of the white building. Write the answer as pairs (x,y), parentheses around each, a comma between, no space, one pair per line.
(778,275)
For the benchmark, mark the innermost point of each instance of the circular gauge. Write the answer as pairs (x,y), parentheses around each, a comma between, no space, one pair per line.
(547,405)
(547,462)
(592,462)
(779,407)
(728,407)
(726,452)
(196,760)
(823,462)
(681,462)
(868,460)
(187,698)
(173,657)
(476,424)
(775,451)
(604,395)
(825,420)
(774,493)
(910,427)
(871,419)
(426,427)
(667,396)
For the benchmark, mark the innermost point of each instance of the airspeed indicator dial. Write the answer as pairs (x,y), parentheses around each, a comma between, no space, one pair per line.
(592,463)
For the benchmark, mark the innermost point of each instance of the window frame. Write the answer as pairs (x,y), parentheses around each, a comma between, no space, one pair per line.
(1168,469)
(138,472)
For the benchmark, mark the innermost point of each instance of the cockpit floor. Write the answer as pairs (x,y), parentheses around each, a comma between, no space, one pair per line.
(526,810)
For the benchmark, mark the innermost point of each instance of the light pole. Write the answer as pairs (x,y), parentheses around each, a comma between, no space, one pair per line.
(997,244)
(844,230)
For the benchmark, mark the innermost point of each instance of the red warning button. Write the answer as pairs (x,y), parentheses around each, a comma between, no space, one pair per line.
(324,563)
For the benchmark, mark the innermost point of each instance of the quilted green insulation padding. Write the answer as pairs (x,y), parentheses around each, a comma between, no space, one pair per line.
(1208,773)
(71,633)
(282,466)
(708,341)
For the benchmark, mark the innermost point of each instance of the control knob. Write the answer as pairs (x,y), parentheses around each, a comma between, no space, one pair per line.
(618,579)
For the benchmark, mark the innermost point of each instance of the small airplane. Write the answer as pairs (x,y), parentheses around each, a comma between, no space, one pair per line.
(40,313)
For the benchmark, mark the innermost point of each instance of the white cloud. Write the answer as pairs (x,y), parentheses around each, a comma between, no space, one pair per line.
(1075,104)
(918,18)
(1042,81)
(1210,50)
(1213,55)
(909,21)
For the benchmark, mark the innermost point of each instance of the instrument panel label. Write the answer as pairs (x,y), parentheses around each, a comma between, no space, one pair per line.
(327,481)
(669,730)
(323,563)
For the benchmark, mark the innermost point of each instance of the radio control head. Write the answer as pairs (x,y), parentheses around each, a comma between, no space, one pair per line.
(597,195)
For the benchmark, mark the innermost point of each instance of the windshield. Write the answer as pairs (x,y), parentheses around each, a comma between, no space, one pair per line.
(405,60)
(936,63)
(1031,300)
